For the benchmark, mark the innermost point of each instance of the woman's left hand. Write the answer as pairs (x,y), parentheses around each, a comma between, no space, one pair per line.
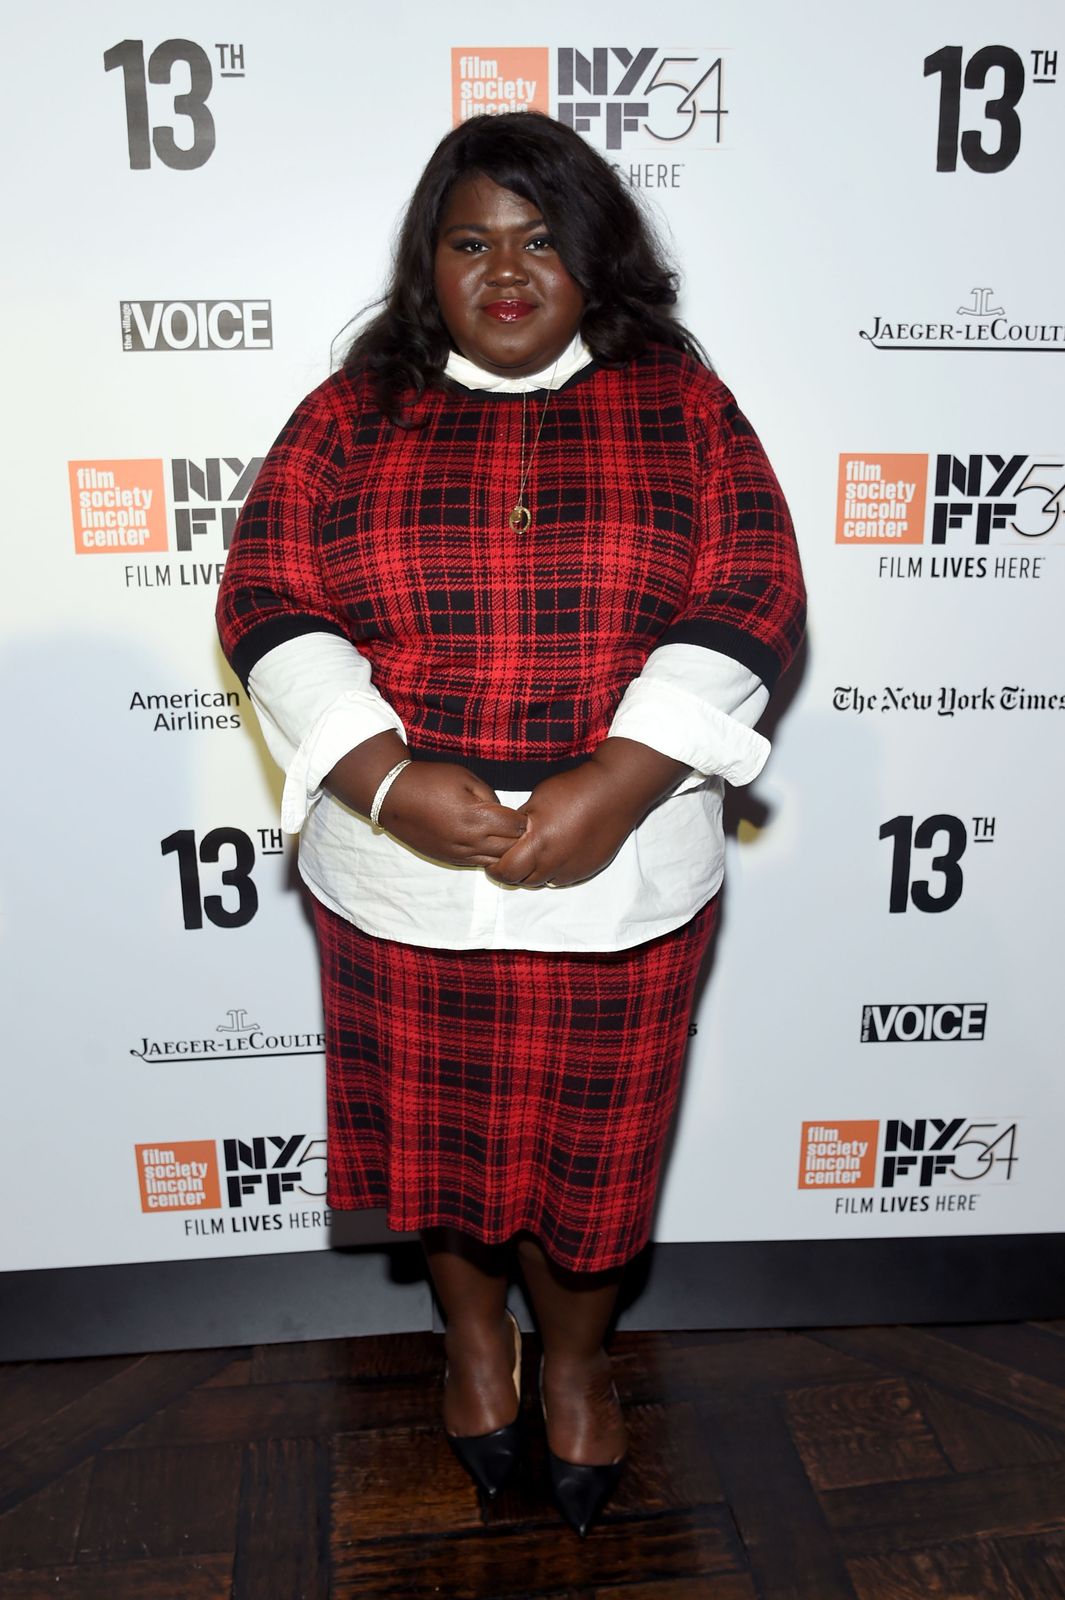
(578,820)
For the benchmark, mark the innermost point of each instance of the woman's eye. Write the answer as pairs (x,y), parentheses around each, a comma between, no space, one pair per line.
(542,241)
(469,246)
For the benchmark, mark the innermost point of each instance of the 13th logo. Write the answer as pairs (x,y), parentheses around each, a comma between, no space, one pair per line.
(185,68)
(994,67)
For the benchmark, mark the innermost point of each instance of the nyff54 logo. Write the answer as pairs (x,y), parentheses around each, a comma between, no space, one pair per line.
(644,96)
(647,96)
(978,500)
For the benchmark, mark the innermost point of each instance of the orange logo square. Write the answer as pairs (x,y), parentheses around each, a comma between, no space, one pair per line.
(118,507)
(489,78)
(178,1177)
(881,499)
(838,1155)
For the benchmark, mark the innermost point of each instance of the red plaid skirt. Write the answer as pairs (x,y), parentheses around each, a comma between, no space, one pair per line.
(499,1091)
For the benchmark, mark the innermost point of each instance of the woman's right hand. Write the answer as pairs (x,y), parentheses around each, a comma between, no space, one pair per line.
(446,812)
(438,808)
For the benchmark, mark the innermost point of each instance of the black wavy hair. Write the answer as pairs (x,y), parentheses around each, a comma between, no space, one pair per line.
(606,243)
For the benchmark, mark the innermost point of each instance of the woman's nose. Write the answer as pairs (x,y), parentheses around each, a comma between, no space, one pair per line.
(507,266)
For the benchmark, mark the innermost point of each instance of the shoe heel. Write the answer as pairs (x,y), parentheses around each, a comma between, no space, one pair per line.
(490,1458)
(580,1491)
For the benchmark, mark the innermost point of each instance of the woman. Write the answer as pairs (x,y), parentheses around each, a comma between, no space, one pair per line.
(509,595)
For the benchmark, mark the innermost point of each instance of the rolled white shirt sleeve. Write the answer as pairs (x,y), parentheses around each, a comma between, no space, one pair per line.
(700,707)
(315,700)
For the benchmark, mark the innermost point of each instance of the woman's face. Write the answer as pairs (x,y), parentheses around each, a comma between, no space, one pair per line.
(506,299)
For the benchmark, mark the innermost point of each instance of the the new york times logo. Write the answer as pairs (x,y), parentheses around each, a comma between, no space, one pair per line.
(1016,497)
(273,1166)
(646,96)
(208,495)
(940,1022)
(197,325)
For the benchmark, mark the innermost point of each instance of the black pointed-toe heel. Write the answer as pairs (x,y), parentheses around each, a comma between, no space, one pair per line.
(580,1491)
(489,1458)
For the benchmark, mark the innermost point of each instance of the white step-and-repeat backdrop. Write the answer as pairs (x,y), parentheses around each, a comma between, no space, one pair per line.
(865,204)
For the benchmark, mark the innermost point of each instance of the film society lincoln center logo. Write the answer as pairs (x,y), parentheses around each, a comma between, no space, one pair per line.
(986,514)
(495,80)
(926,1163)
(119,507)
(264,1183)
(179,1177)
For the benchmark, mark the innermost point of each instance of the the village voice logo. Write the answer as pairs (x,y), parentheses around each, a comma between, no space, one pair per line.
(980,324)
(173,325)
(927,1022)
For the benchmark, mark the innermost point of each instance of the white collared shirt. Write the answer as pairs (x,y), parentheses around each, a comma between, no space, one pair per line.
(316,701)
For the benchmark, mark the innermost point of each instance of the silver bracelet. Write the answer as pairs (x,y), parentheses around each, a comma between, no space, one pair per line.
(382,789)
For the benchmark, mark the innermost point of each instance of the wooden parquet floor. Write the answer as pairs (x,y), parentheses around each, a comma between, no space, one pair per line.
(830,1464)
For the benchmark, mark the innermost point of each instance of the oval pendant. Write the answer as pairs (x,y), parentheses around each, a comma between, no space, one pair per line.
(520,519)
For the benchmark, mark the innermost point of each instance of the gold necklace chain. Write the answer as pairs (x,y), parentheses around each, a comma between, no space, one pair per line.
(520,518)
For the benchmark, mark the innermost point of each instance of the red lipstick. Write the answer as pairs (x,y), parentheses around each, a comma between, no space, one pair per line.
(508,310)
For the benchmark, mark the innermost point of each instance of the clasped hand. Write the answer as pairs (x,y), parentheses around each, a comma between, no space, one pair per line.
(570,827)
(575,823)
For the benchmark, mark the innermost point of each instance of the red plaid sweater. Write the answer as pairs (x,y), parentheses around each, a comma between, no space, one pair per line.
(656,519)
